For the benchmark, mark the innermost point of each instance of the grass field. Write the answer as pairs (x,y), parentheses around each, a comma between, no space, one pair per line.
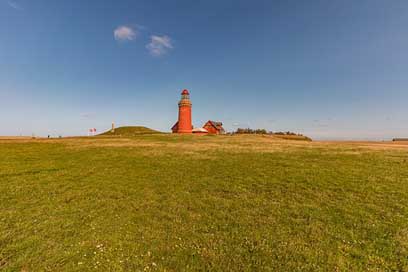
(182,203)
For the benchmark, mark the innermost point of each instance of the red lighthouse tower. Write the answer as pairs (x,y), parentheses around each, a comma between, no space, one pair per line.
(184,124)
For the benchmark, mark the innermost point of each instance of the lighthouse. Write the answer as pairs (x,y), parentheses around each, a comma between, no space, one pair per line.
(184,124)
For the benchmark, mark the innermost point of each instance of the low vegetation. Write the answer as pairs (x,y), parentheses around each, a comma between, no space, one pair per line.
(164,202)
(400,140)
(283,135)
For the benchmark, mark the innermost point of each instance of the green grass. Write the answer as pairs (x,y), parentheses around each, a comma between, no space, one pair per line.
(185,203)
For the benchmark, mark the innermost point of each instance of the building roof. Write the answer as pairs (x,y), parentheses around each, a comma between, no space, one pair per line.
(185,92)
(175,127)
(200,130)
(216,125)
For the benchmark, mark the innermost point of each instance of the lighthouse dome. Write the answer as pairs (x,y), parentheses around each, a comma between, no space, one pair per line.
(185,92)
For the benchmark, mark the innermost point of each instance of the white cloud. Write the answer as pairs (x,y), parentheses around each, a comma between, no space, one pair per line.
(159,45)
(14,5)
(125,33)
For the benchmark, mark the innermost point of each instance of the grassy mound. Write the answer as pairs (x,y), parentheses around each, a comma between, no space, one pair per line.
(130,131)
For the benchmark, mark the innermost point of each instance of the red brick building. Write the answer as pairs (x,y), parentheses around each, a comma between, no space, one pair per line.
(184,124)
(214,127)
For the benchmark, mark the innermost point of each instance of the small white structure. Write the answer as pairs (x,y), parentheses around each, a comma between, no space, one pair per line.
(200,131)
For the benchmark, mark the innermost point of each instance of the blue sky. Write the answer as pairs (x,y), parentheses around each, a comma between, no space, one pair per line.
(330,69)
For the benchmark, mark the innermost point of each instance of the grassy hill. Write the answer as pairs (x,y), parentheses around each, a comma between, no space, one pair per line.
(130,131)
(182,203)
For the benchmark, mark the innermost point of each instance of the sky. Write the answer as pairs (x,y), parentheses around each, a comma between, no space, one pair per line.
(328,69)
